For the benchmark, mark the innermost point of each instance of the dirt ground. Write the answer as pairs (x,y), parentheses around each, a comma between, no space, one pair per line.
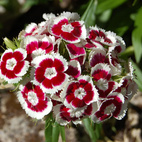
(16,126)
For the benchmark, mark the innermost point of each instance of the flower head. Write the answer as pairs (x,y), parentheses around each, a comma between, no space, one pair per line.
(80,93)
(49,72)
(13,65)
(71,32)
(34,101)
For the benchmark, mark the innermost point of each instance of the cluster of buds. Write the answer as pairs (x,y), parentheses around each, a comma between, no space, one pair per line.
(63,67)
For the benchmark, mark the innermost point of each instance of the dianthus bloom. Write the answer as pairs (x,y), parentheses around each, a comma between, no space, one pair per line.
(34,101)
(49,72)
(70,70)
(13,65)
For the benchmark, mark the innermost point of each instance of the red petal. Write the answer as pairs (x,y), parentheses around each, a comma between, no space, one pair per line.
(18,56)
(3,68)
(18,67)
(72,71)
(7,56)
(46,63)
(97,58)
(39,93)
(10,74)
(77,29)
(58,65)
(31,47)
(101,74)
(59,79)
(78,103)
(69,97)
(56,29)
(89,109)
(88,97)
(39,74)
(47,83)
(68,36)
(73,49)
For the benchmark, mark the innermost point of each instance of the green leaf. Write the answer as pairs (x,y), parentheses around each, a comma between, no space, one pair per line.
(89,15)
(137,36)
(28,4)
(108,4)
(138,73)
(137,43)
(55,132)
(138,20)
(48,128)
(62,131)
(127,53)
(3,2)
(89,129)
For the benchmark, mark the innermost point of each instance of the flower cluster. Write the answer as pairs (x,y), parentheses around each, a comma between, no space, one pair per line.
(63,67)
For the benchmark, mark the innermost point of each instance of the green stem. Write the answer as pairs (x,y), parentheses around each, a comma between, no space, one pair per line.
(48,128)
(55,132)
(90,129)
(62,131)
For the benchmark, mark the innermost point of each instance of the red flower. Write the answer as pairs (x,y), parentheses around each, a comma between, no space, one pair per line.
(70,32)
(13,65)
(34,101)
(49,72)
(66,115)
(78,94)
(112,106)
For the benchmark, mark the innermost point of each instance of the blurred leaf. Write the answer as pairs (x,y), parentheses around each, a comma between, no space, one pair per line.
(104,17)
(62,131)
(138,73)
(3,2)
(137,43)
(89,127)
(137,36)
(138,20)
(89,15)
(28,4)
(127,53)
(108,4)
(120,21)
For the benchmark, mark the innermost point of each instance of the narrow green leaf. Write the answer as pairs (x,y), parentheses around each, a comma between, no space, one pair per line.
(98,128)
(138,73)
(89,15)
(89,129)
(48,129)
(62,131)
(137,43)
(55,132)
(108,4)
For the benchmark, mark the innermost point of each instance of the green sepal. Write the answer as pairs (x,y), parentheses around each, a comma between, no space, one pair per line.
(9,44)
